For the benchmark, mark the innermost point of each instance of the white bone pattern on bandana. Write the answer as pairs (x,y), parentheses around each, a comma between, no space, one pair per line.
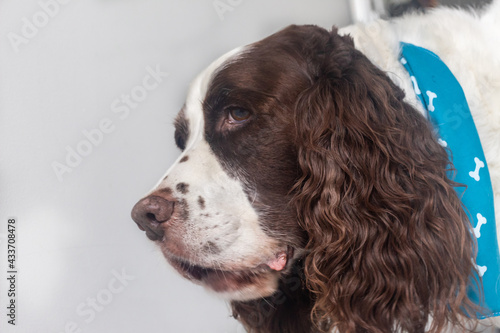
(442,143)
(477,232)
(475,174)
(480,221)
(481,270)
(431,96)
(415,85)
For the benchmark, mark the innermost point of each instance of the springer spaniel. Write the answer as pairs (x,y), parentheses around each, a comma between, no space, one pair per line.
(311,190)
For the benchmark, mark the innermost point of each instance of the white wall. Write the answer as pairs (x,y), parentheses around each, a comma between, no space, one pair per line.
(74,231)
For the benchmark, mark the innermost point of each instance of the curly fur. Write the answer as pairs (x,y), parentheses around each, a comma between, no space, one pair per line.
(381,216)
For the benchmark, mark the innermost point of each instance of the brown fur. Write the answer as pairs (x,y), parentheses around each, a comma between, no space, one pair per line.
(388,242)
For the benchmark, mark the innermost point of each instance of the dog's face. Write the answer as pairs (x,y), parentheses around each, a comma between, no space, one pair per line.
(221,214)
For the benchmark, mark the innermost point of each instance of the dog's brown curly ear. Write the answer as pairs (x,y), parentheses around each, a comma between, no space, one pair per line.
(389,242)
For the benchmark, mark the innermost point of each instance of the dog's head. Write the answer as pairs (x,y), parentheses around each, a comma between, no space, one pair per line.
(298,147)
(222,213)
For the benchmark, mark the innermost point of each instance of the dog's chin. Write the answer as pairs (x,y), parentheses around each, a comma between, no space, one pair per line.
(237,284)
(261,286)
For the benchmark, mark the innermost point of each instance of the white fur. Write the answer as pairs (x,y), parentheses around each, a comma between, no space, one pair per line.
(228,219)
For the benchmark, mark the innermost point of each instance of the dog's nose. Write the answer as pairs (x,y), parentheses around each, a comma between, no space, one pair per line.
(150,213)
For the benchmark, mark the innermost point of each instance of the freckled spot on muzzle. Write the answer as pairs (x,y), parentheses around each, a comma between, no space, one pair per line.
(201,202)
(184,209)
(211,247)
(166,191)
(182,188)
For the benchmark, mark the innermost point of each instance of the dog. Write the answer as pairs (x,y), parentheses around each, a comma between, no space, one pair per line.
(312,191)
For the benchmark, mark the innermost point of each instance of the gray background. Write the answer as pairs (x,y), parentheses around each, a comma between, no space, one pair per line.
(61,79)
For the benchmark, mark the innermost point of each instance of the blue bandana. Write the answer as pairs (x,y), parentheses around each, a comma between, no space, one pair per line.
(443,98)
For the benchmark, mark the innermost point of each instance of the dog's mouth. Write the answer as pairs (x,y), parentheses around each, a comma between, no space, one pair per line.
(222,280)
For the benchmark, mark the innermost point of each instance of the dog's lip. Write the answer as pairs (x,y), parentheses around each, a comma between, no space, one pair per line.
(226,279)
(150,233)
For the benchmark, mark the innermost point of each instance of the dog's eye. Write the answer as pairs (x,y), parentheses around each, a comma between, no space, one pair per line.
(238,115)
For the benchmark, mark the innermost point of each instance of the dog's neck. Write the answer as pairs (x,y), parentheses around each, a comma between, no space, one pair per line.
(287,310)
